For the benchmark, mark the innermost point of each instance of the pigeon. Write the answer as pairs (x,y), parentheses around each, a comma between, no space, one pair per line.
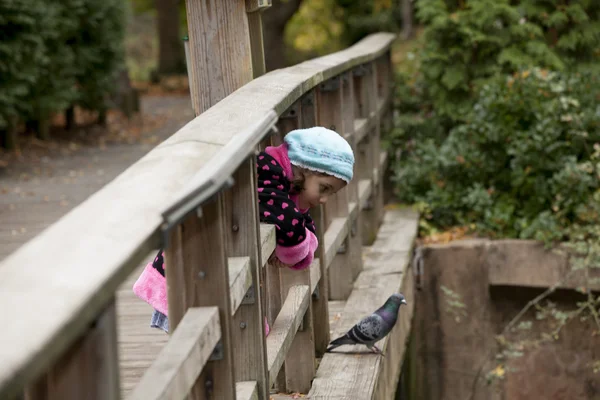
(373,328)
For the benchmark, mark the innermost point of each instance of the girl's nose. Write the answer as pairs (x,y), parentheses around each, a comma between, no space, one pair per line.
(323,200)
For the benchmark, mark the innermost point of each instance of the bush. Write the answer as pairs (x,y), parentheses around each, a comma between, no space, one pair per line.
(524,164)
(54,54)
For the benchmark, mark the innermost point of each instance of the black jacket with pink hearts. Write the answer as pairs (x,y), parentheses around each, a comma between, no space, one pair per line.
(295,229)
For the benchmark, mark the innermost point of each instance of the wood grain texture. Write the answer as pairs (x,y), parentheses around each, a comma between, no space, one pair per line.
(320,299)
(90,369)
(300,358)
(331,114)
(246,390)
(109,249)
(352,372)
(219,28)
(240,280)
(243,239)
(198,276)
(267,242)
(354,241)
(285,327)
(320,286)
(176,368)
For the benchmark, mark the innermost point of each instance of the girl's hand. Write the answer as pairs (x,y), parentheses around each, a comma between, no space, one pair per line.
(273,260)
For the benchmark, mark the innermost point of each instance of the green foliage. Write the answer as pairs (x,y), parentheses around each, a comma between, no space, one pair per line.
(322,27)
(464,46)
(362,18)
(315,30)
(57,53)
(522,165)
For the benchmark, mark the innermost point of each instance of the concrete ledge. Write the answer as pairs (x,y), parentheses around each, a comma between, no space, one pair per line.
(353,372)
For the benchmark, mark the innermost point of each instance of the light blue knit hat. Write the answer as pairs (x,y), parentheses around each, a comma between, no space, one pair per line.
(322,150)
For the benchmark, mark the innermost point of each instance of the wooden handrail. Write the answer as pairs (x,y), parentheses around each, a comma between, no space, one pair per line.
(99,243)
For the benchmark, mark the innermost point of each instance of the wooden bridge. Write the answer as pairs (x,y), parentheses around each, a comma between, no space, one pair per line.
(73,328)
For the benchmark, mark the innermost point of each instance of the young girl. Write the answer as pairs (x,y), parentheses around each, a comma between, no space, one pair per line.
(311,165)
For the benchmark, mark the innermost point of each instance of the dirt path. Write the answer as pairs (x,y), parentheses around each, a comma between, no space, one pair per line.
(36,192)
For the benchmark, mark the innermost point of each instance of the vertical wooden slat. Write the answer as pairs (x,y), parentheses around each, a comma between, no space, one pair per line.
(365,104)
(88,370)
(287,122)
(254,8)
(320,306)
(354,246)
(300,360)
(197,276)
(331,115)
(243,240)
(377,213)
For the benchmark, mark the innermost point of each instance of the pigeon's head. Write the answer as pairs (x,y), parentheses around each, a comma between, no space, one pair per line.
(397,299)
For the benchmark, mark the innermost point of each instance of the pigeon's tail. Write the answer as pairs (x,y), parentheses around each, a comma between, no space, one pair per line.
(339,342)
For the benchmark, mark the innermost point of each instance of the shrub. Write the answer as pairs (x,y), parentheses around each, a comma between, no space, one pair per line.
(524,164)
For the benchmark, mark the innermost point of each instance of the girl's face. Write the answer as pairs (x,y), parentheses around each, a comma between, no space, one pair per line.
(317,189)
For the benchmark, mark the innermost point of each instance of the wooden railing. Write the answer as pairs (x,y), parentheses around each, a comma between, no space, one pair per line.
(195,194)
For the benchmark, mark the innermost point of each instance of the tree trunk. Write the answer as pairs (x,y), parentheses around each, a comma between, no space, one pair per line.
(274,21)
(407,19)
(171,57)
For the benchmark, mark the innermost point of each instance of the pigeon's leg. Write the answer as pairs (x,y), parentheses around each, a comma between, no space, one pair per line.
(377,350)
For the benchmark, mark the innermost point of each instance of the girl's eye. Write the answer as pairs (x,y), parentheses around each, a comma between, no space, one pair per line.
(322,188)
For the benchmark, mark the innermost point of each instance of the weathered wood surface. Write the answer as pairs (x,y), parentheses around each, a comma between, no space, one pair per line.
(173,373)
(353,372)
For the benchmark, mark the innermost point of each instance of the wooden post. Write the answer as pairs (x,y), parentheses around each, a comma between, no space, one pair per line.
(320,305)
(365,107)
(373,82)
(89,370)
(331,115)
(300,360)
(229,64)
(255,8)
(197,276)
(243,240)
(355,235)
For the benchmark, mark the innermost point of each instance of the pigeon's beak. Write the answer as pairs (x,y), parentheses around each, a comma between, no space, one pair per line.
(403,301)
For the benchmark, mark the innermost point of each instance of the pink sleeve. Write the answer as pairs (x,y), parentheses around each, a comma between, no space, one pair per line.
(301,255)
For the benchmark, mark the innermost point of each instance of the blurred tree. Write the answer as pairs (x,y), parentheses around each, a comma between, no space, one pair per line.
(171,57)
(274,22)
(315,30)
(362,18)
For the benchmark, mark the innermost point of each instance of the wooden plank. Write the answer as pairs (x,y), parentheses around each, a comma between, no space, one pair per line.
(197,276)
(361,128)
(89,369)
(333,113)
(254,9)
(315,274)
(354,241)
(365,187)
(285,327)
(111,252)
(320,285)
(214,78)
(334,237)
(175,370)
(267,242)
(246,390)
(240,280)
(320,304)
(240,204)
(352,372)
(300,358)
